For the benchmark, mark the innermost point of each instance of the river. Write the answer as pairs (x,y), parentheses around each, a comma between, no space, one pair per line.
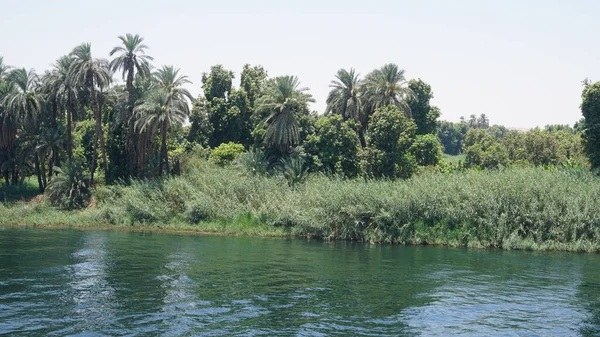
(112,283)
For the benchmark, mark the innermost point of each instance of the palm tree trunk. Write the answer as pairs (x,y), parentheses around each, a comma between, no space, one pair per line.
(36,160)
(69,132)
(96,134)
(50,166)
(361,136)
(43,172)
(133,149)
(102,145)
(164,155)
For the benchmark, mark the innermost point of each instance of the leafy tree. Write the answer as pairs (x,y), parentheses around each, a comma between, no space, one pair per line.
(484,151)
(391,135)
(217,83)
(451,136)
(93,75)
(228,110)
(252,82)
(590,108)
(498,131)
(427,150)
(334,146)
(424,114)
(542,148)
(283,98)
(201,129)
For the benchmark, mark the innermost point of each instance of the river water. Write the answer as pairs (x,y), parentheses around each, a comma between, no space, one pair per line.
(110,283)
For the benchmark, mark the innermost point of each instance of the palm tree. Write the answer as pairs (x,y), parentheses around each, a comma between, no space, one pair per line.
(61,88)
(70,189)
(169,79)
(161,110)
(23,104)
(386,86)
(4,69)
(50,144)
(281,100)
(92,74)
(345,99)
(7,124)
(132,60)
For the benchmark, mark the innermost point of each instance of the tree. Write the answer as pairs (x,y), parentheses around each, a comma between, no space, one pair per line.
(217,87)
(217,83)
(23,103)
(344,99)
(172,82)
(427,150)
(484,151)
(65,94)
(334,146)
(424,114)
(386,86)
(93,75)
(201,129)
(282,99)
(4,69)
(131,60)
(590,108)
(390,137)
(483,122)
(451,136)
(50,144)
(161,110)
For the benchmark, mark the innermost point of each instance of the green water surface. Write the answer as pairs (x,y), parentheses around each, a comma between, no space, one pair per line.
(108,283)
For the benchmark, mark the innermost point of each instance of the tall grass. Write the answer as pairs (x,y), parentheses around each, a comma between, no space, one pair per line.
(524,208)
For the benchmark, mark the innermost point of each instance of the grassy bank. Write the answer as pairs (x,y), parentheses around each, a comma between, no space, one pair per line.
(525,208)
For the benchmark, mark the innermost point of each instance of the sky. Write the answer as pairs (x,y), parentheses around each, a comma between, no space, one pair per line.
(519,62)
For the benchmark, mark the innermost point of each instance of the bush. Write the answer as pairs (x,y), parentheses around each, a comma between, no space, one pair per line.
(427,150)
(226,153)
(70,189)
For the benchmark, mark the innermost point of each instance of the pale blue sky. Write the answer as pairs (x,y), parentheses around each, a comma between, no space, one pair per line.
(519,62)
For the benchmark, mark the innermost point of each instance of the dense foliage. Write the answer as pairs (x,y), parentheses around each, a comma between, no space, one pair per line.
(378,165)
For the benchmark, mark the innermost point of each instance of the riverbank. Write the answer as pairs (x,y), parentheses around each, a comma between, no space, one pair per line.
(520,208)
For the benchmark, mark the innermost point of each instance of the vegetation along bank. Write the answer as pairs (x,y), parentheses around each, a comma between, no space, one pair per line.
(79,148)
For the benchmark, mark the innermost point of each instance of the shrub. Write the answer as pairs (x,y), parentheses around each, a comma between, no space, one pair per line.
(226,153)
(427,150)
(70,189)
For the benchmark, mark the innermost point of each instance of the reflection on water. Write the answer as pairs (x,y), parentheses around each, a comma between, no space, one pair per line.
(56,283)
